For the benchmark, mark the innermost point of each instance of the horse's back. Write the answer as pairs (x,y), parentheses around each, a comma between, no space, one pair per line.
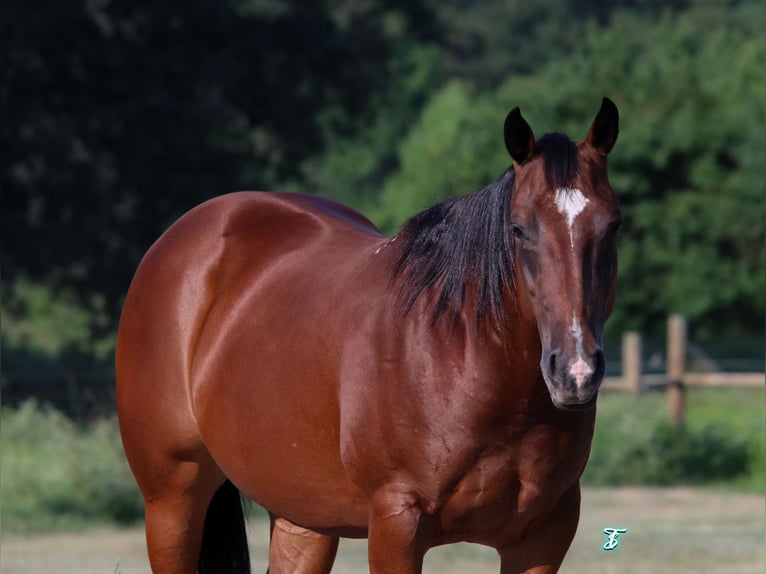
(212,258)
(224,241)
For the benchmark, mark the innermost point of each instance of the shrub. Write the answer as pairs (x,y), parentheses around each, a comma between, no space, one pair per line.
(56,473)
(642,448)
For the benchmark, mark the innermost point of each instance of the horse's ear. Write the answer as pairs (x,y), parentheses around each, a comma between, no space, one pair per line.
(603,132)
(519,139)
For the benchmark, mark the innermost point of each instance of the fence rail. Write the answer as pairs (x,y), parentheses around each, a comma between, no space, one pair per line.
(677,375)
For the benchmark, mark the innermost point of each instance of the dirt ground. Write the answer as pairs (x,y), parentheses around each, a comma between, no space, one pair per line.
(669,531)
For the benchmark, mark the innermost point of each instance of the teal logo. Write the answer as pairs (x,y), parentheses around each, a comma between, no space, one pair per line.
(613,538)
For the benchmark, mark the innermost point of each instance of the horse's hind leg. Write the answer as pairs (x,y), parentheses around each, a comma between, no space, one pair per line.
(175,516)
(175,473)
(296,550)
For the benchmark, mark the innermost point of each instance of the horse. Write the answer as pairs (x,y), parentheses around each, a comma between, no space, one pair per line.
(423,389)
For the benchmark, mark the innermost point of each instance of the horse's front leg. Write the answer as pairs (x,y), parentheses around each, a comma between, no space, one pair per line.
(398,537)
(546,540)
(297,550)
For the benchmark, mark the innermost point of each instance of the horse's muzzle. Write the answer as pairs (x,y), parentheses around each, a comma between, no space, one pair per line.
(573,383)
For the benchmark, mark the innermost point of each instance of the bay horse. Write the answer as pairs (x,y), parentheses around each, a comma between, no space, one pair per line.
(433,387)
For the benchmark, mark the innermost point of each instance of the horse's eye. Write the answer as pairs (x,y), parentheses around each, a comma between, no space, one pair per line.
(518,232)
(614,227)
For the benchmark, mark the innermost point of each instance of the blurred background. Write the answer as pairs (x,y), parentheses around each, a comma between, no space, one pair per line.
(119,116)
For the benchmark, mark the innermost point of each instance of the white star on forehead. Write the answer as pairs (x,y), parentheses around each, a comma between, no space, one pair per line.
(571,202)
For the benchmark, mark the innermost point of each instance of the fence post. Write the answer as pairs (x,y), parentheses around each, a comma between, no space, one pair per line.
(631,361)
(676,367)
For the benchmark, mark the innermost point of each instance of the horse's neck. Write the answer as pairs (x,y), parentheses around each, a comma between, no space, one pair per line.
(519,337)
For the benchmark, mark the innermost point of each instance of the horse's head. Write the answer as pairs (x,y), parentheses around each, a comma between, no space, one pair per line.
(564,223)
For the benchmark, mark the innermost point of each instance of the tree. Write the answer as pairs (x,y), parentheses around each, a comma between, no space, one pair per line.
(120,116)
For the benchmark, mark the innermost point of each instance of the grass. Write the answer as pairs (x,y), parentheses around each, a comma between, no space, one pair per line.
(670,531)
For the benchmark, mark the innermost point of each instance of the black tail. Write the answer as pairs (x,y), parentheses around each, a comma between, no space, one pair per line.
(224,541)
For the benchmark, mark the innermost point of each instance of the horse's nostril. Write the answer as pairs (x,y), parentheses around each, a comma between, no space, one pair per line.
(600,363)
(552,363)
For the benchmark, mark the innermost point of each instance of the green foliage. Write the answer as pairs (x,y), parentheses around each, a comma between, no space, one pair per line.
(123,116)
(56,474)
(40,327)
(635,444)
(665,455)
(489,40)
(357,160)
(448,151)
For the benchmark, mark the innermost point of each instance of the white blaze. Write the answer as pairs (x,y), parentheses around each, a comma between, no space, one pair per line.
(580,370)
(571,203)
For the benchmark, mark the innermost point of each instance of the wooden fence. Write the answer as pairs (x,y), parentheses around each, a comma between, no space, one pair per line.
(677,376)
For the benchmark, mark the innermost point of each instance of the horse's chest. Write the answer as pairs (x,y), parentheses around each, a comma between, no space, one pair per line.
(507,489)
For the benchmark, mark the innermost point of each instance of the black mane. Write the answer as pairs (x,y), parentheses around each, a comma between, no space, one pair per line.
(466,240)
(454,242)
